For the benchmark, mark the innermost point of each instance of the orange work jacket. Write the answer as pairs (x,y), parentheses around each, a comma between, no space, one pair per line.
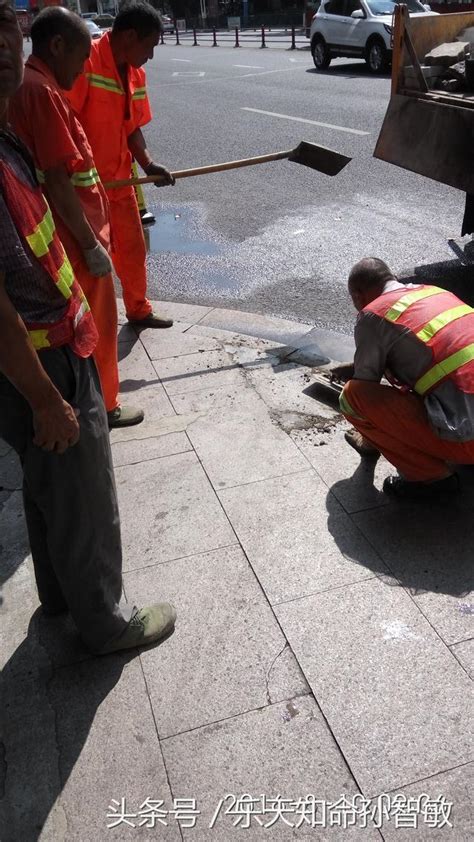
(109,113)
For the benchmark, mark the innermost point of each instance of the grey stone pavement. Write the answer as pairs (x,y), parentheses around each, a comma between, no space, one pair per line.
(324,640)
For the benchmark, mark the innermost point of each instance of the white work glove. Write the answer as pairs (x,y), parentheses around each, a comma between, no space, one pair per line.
(98,261)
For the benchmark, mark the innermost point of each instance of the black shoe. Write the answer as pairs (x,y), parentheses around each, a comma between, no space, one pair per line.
(399,487)
(147,217)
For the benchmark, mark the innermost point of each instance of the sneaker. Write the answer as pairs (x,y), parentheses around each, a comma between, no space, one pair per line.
(358,442)
(152,320)
(124,416)
(148,625)
(399,487)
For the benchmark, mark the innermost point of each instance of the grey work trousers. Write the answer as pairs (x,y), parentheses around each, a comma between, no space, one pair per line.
(70,503)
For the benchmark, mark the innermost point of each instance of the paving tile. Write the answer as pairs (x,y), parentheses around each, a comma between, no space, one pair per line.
(161,426)
(255,324)
(175,342)
(230,397)
(135,367)
(201,370)
(283,527)
(282,750)
(17,594)
(142,449)
(243,445)
(285,678)
(456,786)
(126,334)
(282,387)
(168,510)
(464,652)
(429,551)
(233,339)
(190,313)
(355,482)
(224,650)
(396,700)
(88,734)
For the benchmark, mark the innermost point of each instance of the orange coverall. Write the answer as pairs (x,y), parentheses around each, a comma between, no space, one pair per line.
(109,115)
(43,119)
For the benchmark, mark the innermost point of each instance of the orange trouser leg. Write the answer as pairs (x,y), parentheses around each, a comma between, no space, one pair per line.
(100,294)
(396,422)
(129,253)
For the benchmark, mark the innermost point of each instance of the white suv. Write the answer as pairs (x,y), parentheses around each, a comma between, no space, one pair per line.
(357,28)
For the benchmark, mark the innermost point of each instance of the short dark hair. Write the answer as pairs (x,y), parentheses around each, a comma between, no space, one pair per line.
(139,16)
(55,20)
(368,273)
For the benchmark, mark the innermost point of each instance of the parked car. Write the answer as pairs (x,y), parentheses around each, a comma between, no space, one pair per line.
(104,21)
(94,30)
(89,15)
(168,23)
(357,29)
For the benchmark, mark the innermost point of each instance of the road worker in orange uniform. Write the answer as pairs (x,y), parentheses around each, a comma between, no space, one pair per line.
(422,338)
(111,102)
(42,117)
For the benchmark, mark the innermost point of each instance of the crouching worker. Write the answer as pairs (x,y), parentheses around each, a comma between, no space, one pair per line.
(422,339)
(51,408)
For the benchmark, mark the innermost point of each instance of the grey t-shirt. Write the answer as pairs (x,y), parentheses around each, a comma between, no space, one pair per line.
(383,346)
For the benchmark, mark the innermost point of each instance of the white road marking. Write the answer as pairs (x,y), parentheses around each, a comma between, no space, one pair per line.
(265,72)
(304,120)
(191,73)
(188,60)
(249,66)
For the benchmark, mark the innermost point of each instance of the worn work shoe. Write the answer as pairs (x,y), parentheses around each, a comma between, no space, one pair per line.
(148,625)
(147,217)
(358,442)
(153,321)
(124,416)
(399,487)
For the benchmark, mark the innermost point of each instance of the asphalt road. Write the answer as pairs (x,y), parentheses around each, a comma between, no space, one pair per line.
(280,238)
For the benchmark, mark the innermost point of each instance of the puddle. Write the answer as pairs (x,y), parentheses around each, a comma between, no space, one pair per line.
(176,233)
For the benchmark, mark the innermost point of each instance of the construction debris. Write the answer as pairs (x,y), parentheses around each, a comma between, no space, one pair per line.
(448,54)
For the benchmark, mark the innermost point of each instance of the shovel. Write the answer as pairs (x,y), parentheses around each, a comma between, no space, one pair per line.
(309,154)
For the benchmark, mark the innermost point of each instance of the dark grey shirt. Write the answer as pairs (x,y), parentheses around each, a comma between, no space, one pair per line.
(383,346)
(30,288)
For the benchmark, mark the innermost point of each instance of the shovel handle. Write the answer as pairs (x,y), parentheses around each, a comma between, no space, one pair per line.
(227,165)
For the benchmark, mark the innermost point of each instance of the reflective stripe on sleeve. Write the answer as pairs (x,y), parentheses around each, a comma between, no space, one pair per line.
(39,339)
(105,82)
(432,327)
(442,369)
(85,179)
(400,306)
(65,278)
(139,93)
(41,238)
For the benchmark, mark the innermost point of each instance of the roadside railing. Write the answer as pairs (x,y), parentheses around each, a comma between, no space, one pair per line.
(291,38)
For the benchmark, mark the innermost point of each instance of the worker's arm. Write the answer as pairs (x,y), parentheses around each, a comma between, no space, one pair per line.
(67,205)
(54,421)
(138,148)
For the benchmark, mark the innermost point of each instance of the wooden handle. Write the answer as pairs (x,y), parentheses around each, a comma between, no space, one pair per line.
(228,165)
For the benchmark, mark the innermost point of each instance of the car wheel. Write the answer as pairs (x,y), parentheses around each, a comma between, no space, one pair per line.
(376,56)
(320,53)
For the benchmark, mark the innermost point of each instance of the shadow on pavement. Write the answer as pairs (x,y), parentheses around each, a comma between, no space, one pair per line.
(423,546)
(450,274)
(46,717)
(350,71)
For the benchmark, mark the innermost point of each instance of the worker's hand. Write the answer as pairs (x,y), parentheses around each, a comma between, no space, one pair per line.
(342,373)
(166,177)
(98,261)
(56,426)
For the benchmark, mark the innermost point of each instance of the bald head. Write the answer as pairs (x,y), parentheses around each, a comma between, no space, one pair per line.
(56,21)
(367,280)
(61,39)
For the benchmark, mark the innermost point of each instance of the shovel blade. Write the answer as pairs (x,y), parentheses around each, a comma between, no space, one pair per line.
(319,158)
